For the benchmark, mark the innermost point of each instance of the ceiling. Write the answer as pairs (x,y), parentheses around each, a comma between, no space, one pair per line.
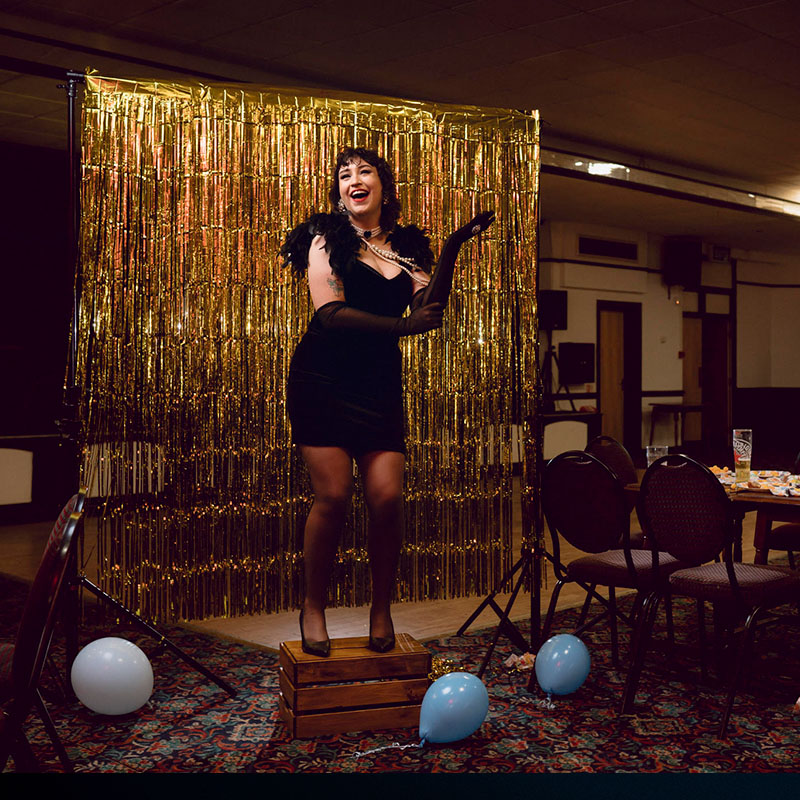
(706,89)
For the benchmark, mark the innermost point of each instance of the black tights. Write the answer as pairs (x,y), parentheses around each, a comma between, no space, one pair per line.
(331,471)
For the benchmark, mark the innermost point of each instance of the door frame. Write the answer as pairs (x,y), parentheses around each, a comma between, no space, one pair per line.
(632,369)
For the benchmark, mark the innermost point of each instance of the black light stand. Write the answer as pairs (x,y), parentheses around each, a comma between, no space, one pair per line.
(69,424)
(529,564)
(505,625)
(550,358)
(527,567)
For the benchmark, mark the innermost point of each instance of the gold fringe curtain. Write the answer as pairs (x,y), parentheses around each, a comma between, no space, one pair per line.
(188,323)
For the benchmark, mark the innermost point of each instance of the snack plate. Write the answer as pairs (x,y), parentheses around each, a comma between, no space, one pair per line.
(777,482)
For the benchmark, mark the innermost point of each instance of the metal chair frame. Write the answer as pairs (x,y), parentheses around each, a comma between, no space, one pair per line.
(722,545)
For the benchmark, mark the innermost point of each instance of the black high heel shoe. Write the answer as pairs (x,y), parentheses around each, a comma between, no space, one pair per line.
(381,644)
(321,649)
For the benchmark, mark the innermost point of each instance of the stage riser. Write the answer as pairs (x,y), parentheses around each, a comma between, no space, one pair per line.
(353,689)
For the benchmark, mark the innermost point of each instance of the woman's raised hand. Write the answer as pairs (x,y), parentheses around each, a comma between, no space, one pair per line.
(476,225)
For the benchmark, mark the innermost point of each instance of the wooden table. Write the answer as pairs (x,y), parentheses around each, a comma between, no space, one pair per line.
(769,509)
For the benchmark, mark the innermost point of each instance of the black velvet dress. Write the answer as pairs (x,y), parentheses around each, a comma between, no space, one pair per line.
(345,387)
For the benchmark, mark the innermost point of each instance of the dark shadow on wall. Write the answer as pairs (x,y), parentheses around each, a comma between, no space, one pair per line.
(774,415)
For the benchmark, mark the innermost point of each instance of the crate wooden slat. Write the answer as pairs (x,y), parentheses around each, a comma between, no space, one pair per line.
(353,688)
(353,694)
(307,726)
(351,659)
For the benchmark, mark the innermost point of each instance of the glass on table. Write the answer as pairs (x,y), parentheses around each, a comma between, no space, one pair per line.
(742,453)
(656,451)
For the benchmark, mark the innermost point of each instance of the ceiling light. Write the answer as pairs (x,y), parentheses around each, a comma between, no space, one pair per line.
(604,168)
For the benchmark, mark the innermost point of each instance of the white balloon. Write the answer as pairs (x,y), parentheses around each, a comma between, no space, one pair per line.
(112,676)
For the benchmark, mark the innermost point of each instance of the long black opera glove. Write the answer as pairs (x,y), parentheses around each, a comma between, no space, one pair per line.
(339,316)
(438,290)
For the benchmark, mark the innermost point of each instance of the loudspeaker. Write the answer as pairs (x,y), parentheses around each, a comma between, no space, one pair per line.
(552,310)
(682,263)
(575,362)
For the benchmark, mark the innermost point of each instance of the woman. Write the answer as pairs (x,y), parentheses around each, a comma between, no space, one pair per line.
(345,394)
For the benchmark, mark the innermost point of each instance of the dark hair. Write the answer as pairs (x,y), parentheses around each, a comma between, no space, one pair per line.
(390,211)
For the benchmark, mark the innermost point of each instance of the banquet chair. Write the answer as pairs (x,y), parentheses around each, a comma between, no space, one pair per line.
(686,513)
(584,504)
(787,535)
(22,662)
(614,455)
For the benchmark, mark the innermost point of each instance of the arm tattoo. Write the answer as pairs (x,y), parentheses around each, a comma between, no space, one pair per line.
(335,285)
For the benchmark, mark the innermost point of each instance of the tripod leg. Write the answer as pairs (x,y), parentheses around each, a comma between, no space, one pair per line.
(500,627)
(536,601)
(162,640)
(489,601)
(53,734)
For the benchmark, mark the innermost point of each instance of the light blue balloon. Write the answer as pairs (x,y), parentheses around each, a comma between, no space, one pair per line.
(562,664)
(454,706)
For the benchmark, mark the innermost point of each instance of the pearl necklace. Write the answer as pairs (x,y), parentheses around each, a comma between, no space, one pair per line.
(390,256)
(400,261)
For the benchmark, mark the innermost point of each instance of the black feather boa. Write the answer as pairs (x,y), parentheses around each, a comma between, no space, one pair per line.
(343,244)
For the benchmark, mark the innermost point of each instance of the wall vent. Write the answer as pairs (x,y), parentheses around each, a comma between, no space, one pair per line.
(608,248)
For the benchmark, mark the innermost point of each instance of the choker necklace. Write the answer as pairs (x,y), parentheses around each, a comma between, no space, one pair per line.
(366,234)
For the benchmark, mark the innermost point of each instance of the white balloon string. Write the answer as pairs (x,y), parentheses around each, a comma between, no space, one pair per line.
(392,746)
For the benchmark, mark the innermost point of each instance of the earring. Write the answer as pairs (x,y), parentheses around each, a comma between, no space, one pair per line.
(342,208)
(386,201)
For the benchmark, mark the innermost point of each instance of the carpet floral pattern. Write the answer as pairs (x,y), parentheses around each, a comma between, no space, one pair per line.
(190,725)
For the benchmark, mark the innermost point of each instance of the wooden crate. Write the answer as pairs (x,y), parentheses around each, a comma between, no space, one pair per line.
(354,688)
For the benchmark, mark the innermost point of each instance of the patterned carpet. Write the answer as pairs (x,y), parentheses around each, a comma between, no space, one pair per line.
(191,726)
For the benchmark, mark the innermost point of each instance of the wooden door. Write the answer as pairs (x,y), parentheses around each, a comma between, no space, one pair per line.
(611,377)
(692,385)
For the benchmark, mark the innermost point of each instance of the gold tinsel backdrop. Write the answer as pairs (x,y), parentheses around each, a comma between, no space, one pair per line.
(188,322)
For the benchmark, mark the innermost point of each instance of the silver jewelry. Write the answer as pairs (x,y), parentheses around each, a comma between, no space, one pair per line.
(476,229)
(342,208)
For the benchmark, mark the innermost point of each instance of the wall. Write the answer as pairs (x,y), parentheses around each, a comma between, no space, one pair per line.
(637,282)
(767,327)
(768,368)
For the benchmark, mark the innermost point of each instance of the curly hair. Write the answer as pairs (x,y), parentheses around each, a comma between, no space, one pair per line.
(390,211)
